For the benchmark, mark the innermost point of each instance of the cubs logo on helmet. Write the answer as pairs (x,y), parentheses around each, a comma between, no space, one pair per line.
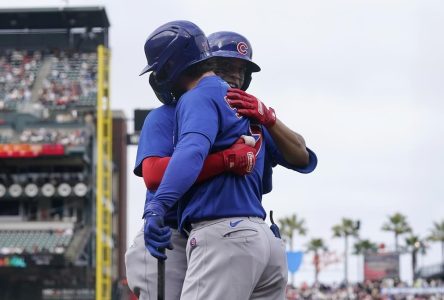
(242,48)
(230,44)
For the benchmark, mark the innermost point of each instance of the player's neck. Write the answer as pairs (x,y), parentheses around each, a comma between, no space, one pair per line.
(190,85)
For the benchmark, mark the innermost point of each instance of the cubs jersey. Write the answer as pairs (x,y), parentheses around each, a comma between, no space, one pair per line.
(156,140)
(204,110)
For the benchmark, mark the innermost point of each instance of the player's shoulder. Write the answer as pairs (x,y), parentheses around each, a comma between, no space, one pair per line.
(160,113)
(210,88)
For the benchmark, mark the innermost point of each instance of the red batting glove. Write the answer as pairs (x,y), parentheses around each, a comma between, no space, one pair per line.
(239,158)
(249,106)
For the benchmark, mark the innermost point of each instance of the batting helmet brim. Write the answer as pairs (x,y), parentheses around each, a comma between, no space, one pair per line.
(148,68)
(230,54)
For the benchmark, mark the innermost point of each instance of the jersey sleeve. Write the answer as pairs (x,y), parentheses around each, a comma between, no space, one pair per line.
(198,114)
(182,171)
(275,157)
(197,127)
(156,138)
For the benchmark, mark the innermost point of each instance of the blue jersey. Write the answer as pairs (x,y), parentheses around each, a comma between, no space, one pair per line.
(206,121)
(156,140)
(204,110)
(156,137)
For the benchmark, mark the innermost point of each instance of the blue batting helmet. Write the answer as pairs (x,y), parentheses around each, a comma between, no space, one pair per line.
(170,50)
(230,44)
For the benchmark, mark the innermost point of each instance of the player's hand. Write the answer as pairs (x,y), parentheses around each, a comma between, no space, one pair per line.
(240,158)
(156,235)
(249,106)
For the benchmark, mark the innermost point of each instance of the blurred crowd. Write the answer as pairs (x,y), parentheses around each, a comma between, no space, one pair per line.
(18,70)
(386,290)
(72,79)
(65,137)
(43,81)
(69,78)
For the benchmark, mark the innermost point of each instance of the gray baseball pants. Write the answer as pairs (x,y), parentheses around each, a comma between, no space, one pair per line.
(141,268)
(235,259)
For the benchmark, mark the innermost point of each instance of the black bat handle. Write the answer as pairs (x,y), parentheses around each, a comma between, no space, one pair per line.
(161,278)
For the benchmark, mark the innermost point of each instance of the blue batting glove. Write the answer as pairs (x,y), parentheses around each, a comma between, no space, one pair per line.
(157,236)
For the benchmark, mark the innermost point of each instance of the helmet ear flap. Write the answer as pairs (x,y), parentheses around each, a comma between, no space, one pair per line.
(162,91)
(165,92)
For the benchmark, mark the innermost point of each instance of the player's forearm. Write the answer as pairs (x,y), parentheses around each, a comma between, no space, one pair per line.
(182,171)
(213,166)
(154,168)
(290,144)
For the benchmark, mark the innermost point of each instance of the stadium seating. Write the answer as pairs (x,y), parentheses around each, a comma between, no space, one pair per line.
(65,137)
(18,71)
(71,80)
(34,241)
(63,79)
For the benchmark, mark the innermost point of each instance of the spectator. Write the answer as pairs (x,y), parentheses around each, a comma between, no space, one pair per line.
(18,71)
(365,291)
(71,81)
(66,137)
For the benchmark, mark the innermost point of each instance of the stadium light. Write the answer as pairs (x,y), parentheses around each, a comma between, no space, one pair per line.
(31,190)
(80,189)
(15,190)
(2,190)
(64,189)
(48,190)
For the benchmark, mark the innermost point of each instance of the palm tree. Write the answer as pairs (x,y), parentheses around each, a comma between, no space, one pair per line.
(415,245)
(362,247)
(315,246)
(346,228)
(399,225)
(437,235)
(290,225)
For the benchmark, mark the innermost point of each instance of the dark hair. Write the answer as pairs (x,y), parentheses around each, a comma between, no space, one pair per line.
(196,70)
(193,72)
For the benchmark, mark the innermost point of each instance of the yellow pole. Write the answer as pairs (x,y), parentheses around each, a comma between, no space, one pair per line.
(99,177)
(104,180)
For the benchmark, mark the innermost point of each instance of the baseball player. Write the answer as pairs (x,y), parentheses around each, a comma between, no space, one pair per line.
(154,148)
(156,143)
(224,214)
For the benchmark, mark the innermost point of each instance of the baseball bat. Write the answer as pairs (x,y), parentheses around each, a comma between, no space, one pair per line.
(161,278)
